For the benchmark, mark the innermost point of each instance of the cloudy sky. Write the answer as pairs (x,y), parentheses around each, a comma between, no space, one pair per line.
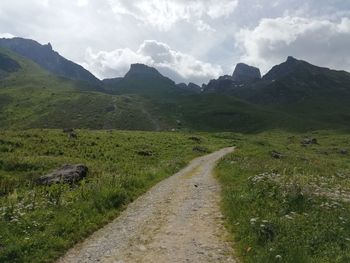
(187,40)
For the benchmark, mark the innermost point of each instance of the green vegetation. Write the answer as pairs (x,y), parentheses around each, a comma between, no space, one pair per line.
(38,223)
(289,207)
(293,207)
(33,98)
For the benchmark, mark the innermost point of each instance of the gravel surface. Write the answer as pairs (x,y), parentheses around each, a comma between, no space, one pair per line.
(178,220)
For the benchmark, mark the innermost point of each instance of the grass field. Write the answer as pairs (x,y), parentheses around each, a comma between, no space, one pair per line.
(37,223)
(289,208)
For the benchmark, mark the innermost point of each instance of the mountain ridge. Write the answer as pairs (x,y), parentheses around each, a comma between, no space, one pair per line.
(47,58)
(293,95)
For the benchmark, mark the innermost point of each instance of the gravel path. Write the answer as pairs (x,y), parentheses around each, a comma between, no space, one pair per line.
(178,220)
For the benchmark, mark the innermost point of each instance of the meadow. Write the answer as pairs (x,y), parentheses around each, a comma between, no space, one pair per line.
(39,223)
(286,197)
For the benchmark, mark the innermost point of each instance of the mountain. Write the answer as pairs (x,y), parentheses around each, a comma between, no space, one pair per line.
(31,97)
(48,59)
(297,88)
(192,87)
(246,73)
(243,75)
(294,95)
(142,71)
(297,81)
(146,81)
(286,68)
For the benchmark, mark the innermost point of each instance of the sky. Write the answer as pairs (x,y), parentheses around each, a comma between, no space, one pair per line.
(186,40)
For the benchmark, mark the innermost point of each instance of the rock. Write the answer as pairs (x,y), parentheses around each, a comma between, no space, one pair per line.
(276,155)
(145,153)
(72,135)
(343,151)
(308,141)
(200,149)
(68,174)
(142,248)
(246,73)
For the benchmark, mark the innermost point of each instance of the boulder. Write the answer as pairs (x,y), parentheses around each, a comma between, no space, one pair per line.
(145,153)
(309,141)
(343,151)
(72,135)
(276,155)
(200,149)
(67,174)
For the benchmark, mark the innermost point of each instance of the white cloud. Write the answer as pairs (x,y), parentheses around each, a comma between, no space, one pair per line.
(204,30)
(174,64)
(164,14)
(319,41)
(6,35)
(82,3)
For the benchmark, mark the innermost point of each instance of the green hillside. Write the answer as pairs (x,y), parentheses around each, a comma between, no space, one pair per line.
(32,97)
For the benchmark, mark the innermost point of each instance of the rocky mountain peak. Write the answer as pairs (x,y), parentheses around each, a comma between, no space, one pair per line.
(142,70)
(283,69)
(291,59)
(246,73)
(49,46)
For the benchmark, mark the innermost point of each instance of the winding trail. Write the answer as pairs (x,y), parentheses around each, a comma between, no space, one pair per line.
(178,220)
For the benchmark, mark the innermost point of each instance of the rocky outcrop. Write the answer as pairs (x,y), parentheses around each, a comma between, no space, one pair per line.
(143,71)
(68,174)
(246,73)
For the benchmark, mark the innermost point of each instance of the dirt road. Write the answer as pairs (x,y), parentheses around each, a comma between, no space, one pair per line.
(178,220)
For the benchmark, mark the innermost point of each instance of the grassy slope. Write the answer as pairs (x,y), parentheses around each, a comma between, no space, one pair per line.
(281,218)
(37,224)
(32,97)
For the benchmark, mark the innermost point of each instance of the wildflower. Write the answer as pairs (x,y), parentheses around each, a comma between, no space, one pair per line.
(279,257)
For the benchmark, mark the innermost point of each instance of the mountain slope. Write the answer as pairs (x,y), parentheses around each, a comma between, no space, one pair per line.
(47,58)
(32,97)
(297,88)
(148,82)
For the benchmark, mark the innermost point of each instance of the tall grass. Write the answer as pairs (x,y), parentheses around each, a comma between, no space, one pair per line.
(292,209)
(39,223)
